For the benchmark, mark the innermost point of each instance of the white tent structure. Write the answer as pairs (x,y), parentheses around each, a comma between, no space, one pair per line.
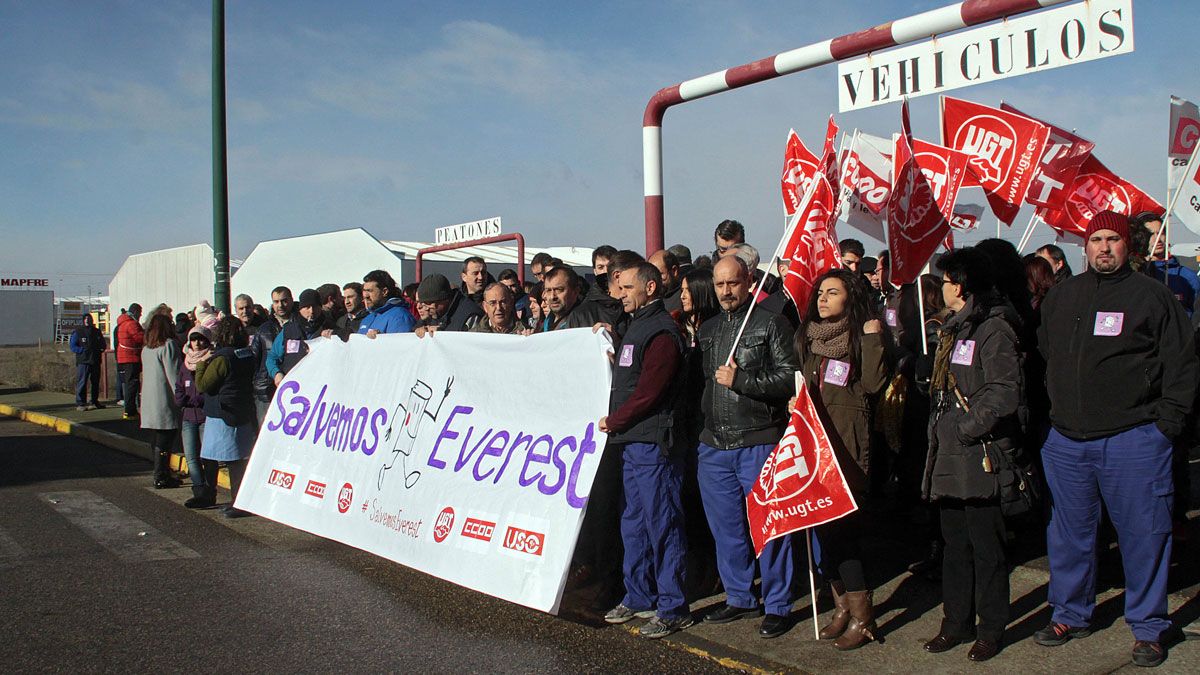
(180,277)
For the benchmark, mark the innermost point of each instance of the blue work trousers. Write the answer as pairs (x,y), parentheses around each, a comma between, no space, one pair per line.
(87,374)
(726,477)
(1131,473)
(652,530)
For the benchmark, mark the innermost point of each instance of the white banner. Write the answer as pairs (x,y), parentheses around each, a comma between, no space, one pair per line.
(466,456)
(1017,46)
(1184,133)
(1187,202)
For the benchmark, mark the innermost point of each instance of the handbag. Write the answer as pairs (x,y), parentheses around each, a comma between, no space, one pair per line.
(1020,486)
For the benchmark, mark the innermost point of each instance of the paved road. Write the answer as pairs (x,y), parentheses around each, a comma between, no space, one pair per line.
(100,573)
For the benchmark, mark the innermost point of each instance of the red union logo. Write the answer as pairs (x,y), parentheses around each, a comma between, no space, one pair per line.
(524,541)
(478,529)
(990,141)
(444,525)
(281,479)
(315,489)
(792,468)
(1095,193)
(1186,135)
(345,497)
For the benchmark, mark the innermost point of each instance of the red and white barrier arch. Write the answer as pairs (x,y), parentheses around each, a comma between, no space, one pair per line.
(898,32)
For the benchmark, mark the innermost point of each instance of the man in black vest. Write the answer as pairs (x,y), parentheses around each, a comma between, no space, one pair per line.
(87,342)
(640,419)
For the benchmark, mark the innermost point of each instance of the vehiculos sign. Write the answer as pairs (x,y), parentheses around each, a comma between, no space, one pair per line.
(1017,46)
(435,467)
(452,234)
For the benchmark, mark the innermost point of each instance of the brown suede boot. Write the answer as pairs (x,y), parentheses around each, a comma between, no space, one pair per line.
(841,613)
(862,626)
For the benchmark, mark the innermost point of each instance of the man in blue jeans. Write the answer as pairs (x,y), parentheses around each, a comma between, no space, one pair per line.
(1121,374)
(744,405)
(640,423)
(87,343)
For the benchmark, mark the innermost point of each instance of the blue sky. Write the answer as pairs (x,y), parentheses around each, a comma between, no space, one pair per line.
(400,117)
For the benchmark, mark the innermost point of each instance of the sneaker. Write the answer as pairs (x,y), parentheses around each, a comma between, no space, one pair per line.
(621,614)
(1055,634)
(121,403)
(127,416)
(80,408)
(1148,654)
(98,406)
(660,627)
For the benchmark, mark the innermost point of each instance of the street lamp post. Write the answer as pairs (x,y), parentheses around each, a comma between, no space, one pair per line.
(220,179)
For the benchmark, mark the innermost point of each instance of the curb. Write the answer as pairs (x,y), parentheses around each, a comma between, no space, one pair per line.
(108,439)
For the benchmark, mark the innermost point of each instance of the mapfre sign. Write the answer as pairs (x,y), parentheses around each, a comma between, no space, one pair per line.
(1017,46)
(6,282)
(452,234)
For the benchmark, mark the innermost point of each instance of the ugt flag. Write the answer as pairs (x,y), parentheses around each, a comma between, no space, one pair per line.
(1096,189)
(1004,149)
(811,244)
(925,188)
(801,484)
(1059,164)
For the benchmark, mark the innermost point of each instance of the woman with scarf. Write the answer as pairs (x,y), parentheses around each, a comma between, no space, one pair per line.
(191,402)
(160,365)
(224,377)
(974,436)
(841,350)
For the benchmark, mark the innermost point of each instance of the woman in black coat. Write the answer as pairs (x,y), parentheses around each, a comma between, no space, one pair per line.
(974,431)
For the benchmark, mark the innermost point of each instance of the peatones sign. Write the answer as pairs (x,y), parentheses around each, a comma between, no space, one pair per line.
(1018,46)
(479,229)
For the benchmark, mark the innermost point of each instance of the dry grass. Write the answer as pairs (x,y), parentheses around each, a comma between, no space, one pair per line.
(51,367)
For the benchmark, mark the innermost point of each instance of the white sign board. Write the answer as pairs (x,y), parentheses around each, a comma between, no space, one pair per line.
(452,234)
(1017,46)
(441,453)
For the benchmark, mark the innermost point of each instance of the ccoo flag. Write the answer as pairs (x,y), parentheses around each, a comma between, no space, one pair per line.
(1005,149)
(801,484)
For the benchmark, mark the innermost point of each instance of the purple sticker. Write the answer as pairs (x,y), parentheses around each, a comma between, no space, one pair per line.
(293,346)
(890,317)
(1108,323)
(626,356)
(837,372)
(964,352)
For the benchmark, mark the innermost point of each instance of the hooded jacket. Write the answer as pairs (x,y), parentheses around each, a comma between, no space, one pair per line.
(1119,354)
(130,338)
(986,366)
(390,317)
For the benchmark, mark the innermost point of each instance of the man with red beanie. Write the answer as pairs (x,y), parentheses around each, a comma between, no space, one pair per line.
(1121,371)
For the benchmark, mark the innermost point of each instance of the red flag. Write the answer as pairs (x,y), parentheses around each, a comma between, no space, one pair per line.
(801,484)
(799,167)
(966,217)
(1060,161)
(948,244)
(829,159)
(926,184)
(1004,149)
(811,247)
(866,176)
(1096,189)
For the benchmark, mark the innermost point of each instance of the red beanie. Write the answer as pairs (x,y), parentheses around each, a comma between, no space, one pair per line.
(1108,220)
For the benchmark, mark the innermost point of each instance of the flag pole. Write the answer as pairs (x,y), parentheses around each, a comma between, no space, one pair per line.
(1028,232)
(921,308)
(812,585)
(1171,208)
(787,235)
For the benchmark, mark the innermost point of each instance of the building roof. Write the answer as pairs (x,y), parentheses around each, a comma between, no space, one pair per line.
(499,254)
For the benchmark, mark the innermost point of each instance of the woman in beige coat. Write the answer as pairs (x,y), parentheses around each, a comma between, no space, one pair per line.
(160,367)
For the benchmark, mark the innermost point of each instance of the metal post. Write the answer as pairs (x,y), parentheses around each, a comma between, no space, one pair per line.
(891,34)
(220,179)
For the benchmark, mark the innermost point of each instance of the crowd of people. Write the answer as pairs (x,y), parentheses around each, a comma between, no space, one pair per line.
(1000,389)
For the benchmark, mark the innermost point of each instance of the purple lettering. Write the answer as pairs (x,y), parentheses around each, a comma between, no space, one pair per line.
(586,447)
(446,434)
(535,458)
(315,406)
(292,386)
(378,419)
(521,438)
(495,448)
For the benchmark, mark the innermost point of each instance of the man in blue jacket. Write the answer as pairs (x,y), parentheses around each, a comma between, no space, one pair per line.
(387,311)
(1182,281)
(87,342)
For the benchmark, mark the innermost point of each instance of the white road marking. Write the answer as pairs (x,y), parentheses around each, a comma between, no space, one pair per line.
(124,535)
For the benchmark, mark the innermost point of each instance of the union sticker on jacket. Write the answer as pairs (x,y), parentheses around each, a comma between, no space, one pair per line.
(837,372)
(626,356)
(964,353)
(293,346)
(1108,323)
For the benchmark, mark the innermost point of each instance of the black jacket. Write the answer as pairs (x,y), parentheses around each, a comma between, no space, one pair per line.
(657,425)
(780,303)
(260,344)
(347,324)
(753,411)
(588,312)
(1144,370)
(987,368)
(462,314)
